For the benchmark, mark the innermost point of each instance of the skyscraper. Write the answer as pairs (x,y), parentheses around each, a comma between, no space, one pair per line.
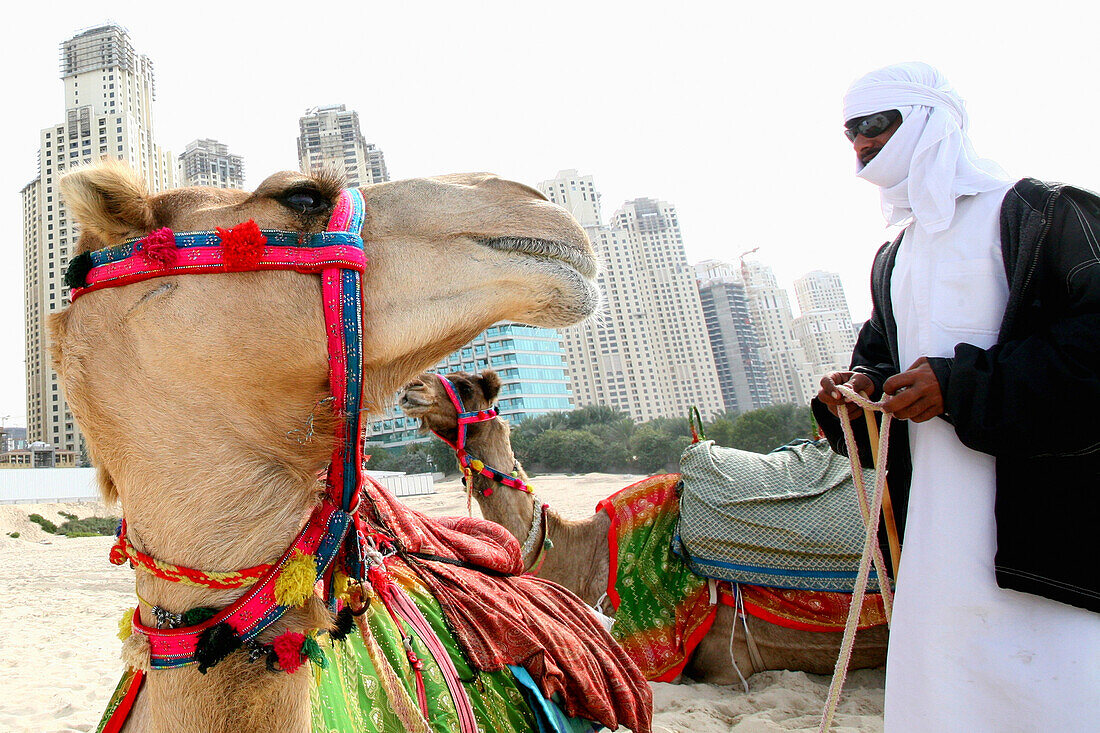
(824,326)
(789,375)
(733,340)
(576,194)
(330,138)
(209,163)
(647,352)
(109,91)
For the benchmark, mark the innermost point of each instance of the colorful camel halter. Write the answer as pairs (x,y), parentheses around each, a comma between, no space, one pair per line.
(327,540)
(469,463)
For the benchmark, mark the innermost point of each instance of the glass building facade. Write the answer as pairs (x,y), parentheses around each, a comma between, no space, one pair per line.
(530,361)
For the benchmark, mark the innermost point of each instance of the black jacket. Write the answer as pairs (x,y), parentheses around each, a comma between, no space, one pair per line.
(1032,400)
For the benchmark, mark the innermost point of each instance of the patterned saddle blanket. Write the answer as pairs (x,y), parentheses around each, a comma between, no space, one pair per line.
(663,609)
(788,519)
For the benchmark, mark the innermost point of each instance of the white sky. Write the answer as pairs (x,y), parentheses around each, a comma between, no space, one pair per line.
(729,110)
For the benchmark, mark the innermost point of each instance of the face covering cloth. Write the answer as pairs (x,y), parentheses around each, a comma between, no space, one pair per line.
(929,161)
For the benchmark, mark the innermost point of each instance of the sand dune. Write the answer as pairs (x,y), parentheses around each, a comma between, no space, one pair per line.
(62,601)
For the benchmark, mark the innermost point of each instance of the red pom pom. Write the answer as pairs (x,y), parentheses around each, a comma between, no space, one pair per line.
(159,247)
(288,648)
(243,245)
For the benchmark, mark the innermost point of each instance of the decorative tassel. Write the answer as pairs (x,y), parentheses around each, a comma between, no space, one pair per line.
(196,616)
(215,644)
(345,621)
(76,275)
(296,580)
(243,245)
(341,585)
(159,247)
(126,624)
(136,653)
(288,650)
(312,650)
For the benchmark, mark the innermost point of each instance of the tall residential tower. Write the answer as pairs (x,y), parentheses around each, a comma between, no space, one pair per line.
(647,352)
(790,377)
(209,163)
(733,339)
(330,138)
(824,326)
(109,93)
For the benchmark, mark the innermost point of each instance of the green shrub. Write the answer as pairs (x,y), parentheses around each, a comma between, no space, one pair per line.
(43,523)
(14,535)
(88,527)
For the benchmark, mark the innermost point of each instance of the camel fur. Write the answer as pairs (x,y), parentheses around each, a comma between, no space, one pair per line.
(579,557)
(193,392)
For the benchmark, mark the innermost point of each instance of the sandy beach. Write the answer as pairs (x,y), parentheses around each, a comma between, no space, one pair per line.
(62,600)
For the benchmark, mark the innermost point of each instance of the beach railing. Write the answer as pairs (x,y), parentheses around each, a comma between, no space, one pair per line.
(47,485)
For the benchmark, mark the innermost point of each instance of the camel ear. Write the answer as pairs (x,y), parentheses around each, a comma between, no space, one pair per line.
(109,200)
(490,385)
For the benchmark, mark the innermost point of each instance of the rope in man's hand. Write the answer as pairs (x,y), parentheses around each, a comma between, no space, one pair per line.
(871,549)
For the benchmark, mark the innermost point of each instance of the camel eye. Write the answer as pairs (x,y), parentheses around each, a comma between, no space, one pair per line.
(305,201)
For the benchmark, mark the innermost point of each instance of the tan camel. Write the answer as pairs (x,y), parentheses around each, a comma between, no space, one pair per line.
(187,387)
(578,559)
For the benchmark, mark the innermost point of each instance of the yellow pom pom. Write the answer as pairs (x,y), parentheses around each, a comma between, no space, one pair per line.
(296,580)
(341,585)
(477,465)
(126,624)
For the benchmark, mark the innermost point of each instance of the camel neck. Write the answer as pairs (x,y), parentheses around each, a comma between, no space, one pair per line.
(222,523)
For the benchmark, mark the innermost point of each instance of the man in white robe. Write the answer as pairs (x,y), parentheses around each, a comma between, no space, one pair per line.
(955,306)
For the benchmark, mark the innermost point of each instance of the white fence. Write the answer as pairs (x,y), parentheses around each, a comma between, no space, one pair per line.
(47,485)
(405,484)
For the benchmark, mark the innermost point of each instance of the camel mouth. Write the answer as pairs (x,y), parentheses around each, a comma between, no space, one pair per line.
(580,261)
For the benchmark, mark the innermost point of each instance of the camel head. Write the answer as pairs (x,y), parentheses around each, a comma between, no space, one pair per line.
(425,398)
(214,380)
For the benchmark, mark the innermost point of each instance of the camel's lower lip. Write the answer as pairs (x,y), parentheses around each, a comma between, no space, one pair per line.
(581,262)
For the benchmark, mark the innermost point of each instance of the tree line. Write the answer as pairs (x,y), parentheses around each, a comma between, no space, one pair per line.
(599,438)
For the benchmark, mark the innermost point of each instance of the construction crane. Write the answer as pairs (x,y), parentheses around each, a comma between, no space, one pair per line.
(744,270)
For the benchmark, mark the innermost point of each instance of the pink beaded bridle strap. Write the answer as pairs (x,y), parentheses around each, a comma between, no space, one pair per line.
(465,460)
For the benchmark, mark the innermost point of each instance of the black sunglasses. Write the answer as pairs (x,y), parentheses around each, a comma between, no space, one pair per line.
(871,125)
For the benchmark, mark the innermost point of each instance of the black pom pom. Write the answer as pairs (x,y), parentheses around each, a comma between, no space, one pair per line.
(345,620)
(215,644)
(76,274)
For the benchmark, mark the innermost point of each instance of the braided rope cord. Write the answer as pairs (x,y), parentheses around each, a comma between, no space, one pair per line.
(123,551)
(871,549)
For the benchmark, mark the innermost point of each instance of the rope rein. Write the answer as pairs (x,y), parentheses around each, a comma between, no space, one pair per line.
(123,551)
(871,550)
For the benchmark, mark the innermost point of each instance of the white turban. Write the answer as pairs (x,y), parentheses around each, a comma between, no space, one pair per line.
(929,161)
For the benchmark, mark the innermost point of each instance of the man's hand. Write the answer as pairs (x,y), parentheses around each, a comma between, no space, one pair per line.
(833,399)
(916,393)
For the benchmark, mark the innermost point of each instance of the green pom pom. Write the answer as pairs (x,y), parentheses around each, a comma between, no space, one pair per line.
(312,650)
(198,615)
